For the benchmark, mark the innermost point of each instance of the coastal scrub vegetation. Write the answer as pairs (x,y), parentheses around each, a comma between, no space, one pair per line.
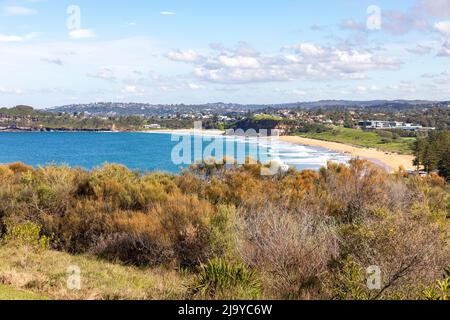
(217,231)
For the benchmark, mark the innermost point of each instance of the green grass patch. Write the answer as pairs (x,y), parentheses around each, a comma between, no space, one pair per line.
(367,139)
(8,293)
(45,274)
(262,117)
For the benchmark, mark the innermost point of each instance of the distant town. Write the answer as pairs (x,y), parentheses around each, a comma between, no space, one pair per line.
(398,115)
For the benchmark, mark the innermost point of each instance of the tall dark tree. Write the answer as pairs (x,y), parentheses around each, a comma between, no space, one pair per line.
(433,152)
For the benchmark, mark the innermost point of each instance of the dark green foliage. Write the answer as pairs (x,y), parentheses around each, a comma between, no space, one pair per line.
(221,279)
(433,153)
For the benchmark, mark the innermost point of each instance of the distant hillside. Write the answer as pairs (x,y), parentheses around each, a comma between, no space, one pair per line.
(143,109)
(147,110)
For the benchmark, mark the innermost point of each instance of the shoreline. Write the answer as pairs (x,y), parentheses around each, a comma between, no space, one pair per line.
(389,161)
(385,160)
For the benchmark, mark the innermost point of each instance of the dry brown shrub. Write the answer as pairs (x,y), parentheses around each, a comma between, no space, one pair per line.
(19,167)
(410,251)
(186,222)
(291,248)
(354,190)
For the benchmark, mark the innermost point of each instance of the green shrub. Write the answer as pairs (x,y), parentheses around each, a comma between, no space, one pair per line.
(441,289)
(222,232)
(219,279)
(28,234)
(348,283)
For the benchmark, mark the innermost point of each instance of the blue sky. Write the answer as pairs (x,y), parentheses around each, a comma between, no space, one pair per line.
(199,51)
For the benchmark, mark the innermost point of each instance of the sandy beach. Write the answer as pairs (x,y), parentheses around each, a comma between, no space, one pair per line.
(391,161)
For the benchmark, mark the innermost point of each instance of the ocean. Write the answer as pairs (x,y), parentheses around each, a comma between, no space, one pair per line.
(150,151)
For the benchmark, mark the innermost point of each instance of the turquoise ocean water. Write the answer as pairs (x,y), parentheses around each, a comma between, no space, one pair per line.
(146,151)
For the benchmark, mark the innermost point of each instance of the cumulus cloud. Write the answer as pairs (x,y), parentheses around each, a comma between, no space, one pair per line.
(82,34)
(443,28)
(184,56)
(309,49)
(133,90)
(445,50)
(302,61)
(239,62)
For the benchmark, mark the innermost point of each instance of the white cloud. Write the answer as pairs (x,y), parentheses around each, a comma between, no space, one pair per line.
(403,87)
(353,76)
(82,34)
(236,75)
(307,61)
(309,49)
(445,50)
(16,38)
(184,56)
(19,11)
(239,62)
(443,27)
(299,92)
(130,89)
(133,91)
(195,86)
(167,13)
(372,88)
(10,91)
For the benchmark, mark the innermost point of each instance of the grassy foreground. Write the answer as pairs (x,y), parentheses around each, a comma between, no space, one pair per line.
(8,293)
(360,138)
(27,274)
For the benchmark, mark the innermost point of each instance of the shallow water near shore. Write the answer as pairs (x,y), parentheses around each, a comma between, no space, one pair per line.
(146,151)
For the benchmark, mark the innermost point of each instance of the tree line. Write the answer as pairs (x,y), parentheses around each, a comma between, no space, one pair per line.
(432,152)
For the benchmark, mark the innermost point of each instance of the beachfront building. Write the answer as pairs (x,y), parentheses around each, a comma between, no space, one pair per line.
(389,125)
